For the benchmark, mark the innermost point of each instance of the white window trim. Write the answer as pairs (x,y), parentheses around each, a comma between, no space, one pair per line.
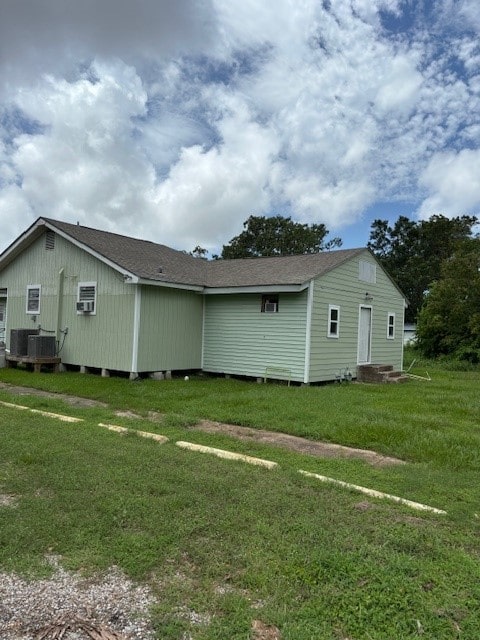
(30,287)
(390,314)
(333,307)
(87,284)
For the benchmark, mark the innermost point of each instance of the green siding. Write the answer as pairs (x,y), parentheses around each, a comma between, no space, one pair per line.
(102,340)
(170,334)
(239,339)
(343,288)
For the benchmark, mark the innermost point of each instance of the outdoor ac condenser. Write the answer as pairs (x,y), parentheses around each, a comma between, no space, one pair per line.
(42,346)
(19,341)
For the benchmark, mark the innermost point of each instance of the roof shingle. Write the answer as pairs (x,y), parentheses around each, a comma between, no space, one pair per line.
(159,263)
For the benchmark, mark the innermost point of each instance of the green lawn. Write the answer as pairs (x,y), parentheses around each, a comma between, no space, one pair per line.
(235,543)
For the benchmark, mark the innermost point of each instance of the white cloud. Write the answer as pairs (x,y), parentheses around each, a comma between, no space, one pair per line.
(210,192)
(469,10)
(86,164)
(400,89)
(208,112)
(453,181)
(48,36)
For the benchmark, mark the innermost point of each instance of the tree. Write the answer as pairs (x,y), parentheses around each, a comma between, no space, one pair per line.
(277,236)
(199,252)
(449,321)
(412,252)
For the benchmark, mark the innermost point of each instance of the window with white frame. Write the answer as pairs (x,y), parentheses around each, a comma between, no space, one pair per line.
(333,321)
(33,298)
(391,326)
(87,298)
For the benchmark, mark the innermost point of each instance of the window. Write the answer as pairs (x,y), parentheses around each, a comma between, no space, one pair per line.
(270,303)
(367,272)
(391,326)
(333,321)
(87,298)
(33,298)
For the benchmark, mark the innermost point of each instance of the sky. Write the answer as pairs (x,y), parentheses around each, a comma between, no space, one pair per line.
(176,121)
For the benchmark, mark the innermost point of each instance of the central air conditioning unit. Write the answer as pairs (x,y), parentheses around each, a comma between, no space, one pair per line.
(19,341)
(85,306)
(42,346)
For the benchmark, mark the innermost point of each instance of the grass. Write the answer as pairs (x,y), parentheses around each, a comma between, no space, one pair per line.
(235,543)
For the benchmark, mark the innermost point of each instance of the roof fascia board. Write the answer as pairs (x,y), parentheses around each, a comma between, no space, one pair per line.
(270,288)
(25,239)
(372,255)
(170,285)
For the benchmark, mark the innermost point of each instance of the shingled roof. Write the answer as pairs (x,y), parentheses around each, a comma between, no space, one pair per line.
(284,270)
(158,263)
(142,258)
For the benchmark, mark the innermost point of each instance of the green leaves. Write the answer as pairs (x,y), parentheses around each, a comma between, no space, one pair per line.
(449,322)
(278,236)
(413,252)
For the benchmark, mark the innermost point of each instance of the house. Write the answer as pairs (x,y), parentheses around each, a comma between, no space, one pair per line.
(409,333)
(121,304)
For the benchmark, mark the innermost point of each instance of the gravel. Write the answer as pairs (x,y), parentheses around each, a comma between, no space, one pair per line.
(109,603)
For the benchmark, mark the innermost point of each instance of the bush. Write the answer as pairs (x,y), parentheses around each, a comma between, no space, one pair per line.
(468,354)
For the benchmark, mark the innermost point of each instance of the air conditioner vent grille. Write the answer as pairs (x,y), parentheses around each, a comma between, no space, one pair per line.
(42,346)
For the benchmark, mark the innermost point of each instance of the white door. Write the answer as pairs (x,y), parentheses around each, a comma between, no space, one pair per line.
(3,309)
(364,335)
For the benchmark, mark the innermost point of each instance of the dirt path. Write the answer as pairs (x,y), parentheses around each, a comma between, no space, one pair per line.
(293,443)
(74,401)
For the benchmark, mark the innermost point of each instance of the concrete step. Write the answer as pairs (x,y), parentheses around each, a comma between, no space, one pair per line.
(396,377)
(379,373)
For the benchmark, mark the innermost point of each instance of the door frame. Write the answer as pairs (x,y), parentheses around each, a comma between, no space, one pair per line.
(370,309)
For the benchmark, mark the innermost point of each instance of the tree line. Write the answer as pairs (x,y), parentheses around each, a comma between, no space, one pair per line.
(436,263)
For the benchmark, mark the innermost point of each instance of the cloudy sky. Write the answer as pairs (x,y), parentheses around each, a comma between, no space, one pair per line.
(175,121)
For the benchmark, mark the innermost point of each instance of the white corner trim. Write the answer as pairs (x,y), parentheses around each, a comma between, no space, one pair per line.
(308,333)
(136,328)
(203,331)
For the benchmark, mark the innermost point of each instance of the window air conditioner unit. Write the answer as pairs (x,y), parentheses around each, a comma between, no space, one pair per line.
(270,307)
(85,306)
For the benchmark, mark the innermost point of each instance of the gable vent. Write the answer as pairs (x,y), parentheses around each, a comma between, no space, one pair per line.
(367,272)
(49,240)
